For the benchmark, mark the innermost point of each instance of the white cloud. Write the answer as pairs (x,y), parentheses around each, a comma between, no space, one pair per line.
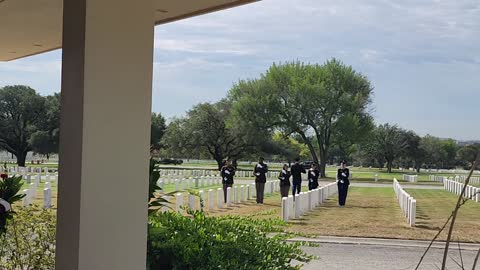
(207,45)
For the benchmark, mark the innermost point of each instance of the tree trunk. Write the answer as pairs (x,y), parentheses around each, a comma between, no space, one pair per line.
(322,165)
(21,157)
(389,166)
(219,161)
(323,157)
(310,147)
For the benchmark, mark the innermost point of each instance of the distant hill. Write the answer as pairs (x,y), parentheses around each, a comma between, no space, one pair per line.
(462,143)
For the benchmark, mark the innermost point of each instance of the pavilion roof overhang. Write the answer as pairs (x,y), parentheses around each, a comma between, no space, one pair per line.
(31,27)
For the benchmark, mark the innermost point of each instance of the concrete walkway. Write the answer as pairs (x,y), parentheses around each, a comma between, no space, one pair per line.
(370,254)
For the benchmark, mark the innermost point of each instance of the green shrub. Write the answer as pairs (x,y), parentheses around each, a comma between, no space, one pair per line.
(9,192)
(29,241)
(229,242)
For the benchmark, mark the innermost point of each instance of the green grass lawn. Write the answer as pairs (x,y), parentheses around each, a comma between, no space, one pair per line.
(375,212)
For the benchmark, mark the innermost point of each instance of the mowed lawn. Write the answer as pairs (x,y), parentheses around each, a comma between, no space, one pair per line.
(374,212)
(435,206)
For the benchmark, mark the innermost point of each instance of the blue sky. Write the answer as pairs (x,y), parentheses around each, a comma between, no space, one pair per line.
(422,56)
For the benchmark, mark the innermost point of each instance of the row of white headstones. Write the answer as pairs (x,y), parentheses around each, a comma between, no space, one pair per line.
(471,192)
(407,203)
(235,195)
(458,178)
(186,183)
(199,173)
(24,170)
(33,181)
(33,177)
(295,207)
(410,178)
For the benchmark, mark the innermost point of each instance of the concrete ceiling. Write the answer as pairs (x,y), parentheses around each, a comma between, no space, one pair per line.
(29,27)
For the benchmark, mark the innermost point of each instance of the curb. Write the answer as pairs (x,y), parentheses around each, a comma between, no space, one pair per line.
(384,242)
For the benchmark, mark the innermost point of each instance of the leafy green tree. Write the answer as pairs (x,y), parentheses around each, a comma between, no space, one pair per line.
(288,148)
(207,129)
(413,152)
(323,104)
(158,128)
(46,141)
(450,148)
(467,154)
(390,142)
(440,153)
(21,114)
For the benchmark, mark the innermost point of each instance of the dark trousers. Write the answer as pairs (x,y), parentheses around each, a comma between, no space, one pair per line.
(312,185)
(296,187)
(260,187)
(225,186)
(284,191)
(342,193)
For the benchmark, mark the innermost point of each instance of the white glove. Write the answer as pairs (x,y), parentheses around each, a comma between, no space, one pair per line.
(344,175)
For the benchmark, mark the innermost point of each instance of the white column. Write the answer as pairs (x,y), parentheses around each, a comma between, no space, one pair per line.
(106,110)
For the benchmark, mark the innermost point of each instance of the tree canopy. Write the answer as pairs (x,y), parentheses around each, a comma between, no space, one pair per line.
(322,104)
(22,113)
(158,128)
(209,128)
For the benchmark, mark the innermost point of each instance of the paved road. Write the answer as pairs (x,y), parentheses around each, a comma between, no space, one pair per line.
(384,255)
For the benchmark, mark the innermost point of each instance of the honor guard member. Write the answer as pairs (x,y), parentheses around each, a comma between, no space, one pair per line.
(343,182)
(260,172)
(227,173)
(297,170)
(313,175)
(284,181)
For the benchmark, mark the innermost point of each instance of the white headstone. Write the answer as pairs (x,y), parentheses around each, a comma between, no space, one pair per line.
(220,198)
(211,199)
(47,198)
(179,202)
(229,196)
(192,199)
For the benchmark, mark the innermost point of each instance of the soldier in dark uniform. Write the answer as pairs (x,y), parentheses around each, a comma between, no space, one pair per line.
(297,170)
(343,182)
(313,175)
(284,181)
(227,173)
(260,172)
